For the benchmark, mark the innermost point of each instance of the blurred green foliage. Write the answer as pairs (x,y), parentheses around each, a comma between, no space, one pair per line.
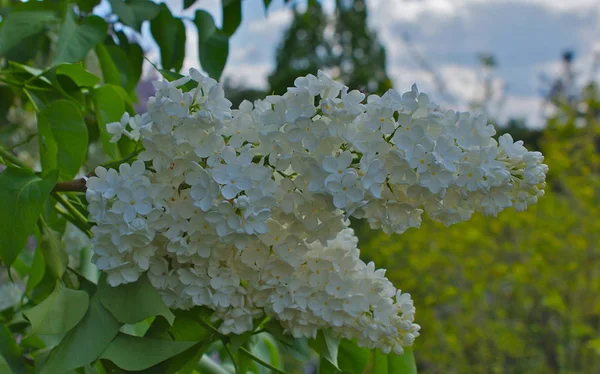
(519,293)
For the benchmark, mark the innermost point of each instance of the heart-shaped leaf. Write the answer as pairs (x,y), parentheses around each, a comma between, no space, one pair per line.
(59,312)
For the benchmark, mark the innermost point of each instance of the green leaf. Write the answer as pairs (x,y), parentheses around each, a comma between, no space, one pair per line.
(131,110)
(78,74)
(266,349)
(206,25)
(188,3)
(109,107)
(274,328)
(143,10)
(55,254)
(34,6)
(85,284)
(133,302)
(139,329)
(87,5)
(22,195)
(123,11)
(135,56)
(36,273)
(232,16)
(326,367)
(121,61)
(213,54)
(59,313)
(245,364)
(171,76)
(55,221)
(169,33)
(187,327)
(17,26)
(85,342)
(186,362)
(4,368)
(63,138)
(75,39)
(11,351)
(160,329)
(40,357)
(28,70)
(7,101)
(213,44)
(38,88)
(394,364)
(110,72)
(135,353)
(403,364)
(65,86)
(326,346)
(236,341)
(43,289)
(351,358)
(34,342)
(266,3)
(134,12)
(30,47)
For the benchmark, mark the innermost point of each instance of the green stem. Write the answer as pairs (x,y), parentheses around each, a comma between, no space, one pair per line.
(387,139)
(123,160)
(31,100)
(74,222)
(23,142)
(261,362)
(225,339)
(235,367)
(82,222)
(211,328)
(9,157)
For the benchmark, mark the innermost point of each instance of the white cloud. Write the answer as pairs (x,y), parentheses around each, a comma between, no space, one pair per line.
(191,48)
(251,75)
(273,22)
(525,107)
(466,84)
(413,9)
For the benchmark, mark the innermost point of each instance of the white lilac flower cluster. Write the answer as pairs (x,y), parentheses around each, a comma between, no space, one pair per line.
(246,211)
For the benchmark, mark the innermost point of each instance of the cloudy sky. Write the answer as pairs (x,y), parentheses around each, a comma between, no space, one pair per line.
(527,38)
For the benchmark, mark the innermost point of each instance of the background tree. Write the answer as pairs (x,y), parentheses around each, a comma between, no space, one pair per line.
(360,57)
(341,43)
(304,48)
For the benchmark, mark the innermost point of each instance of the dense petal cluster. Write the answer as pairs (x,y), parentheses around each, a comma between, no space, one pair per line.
(245,211)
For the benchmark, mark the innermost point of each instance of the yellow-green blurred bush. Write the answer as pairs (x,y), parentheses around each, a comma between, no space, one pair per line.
(519,293)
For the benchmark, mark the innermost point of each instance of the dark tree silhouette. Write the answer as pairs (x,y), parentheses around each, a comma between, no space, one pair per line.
(361,57)
(342,43)
(304,48)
